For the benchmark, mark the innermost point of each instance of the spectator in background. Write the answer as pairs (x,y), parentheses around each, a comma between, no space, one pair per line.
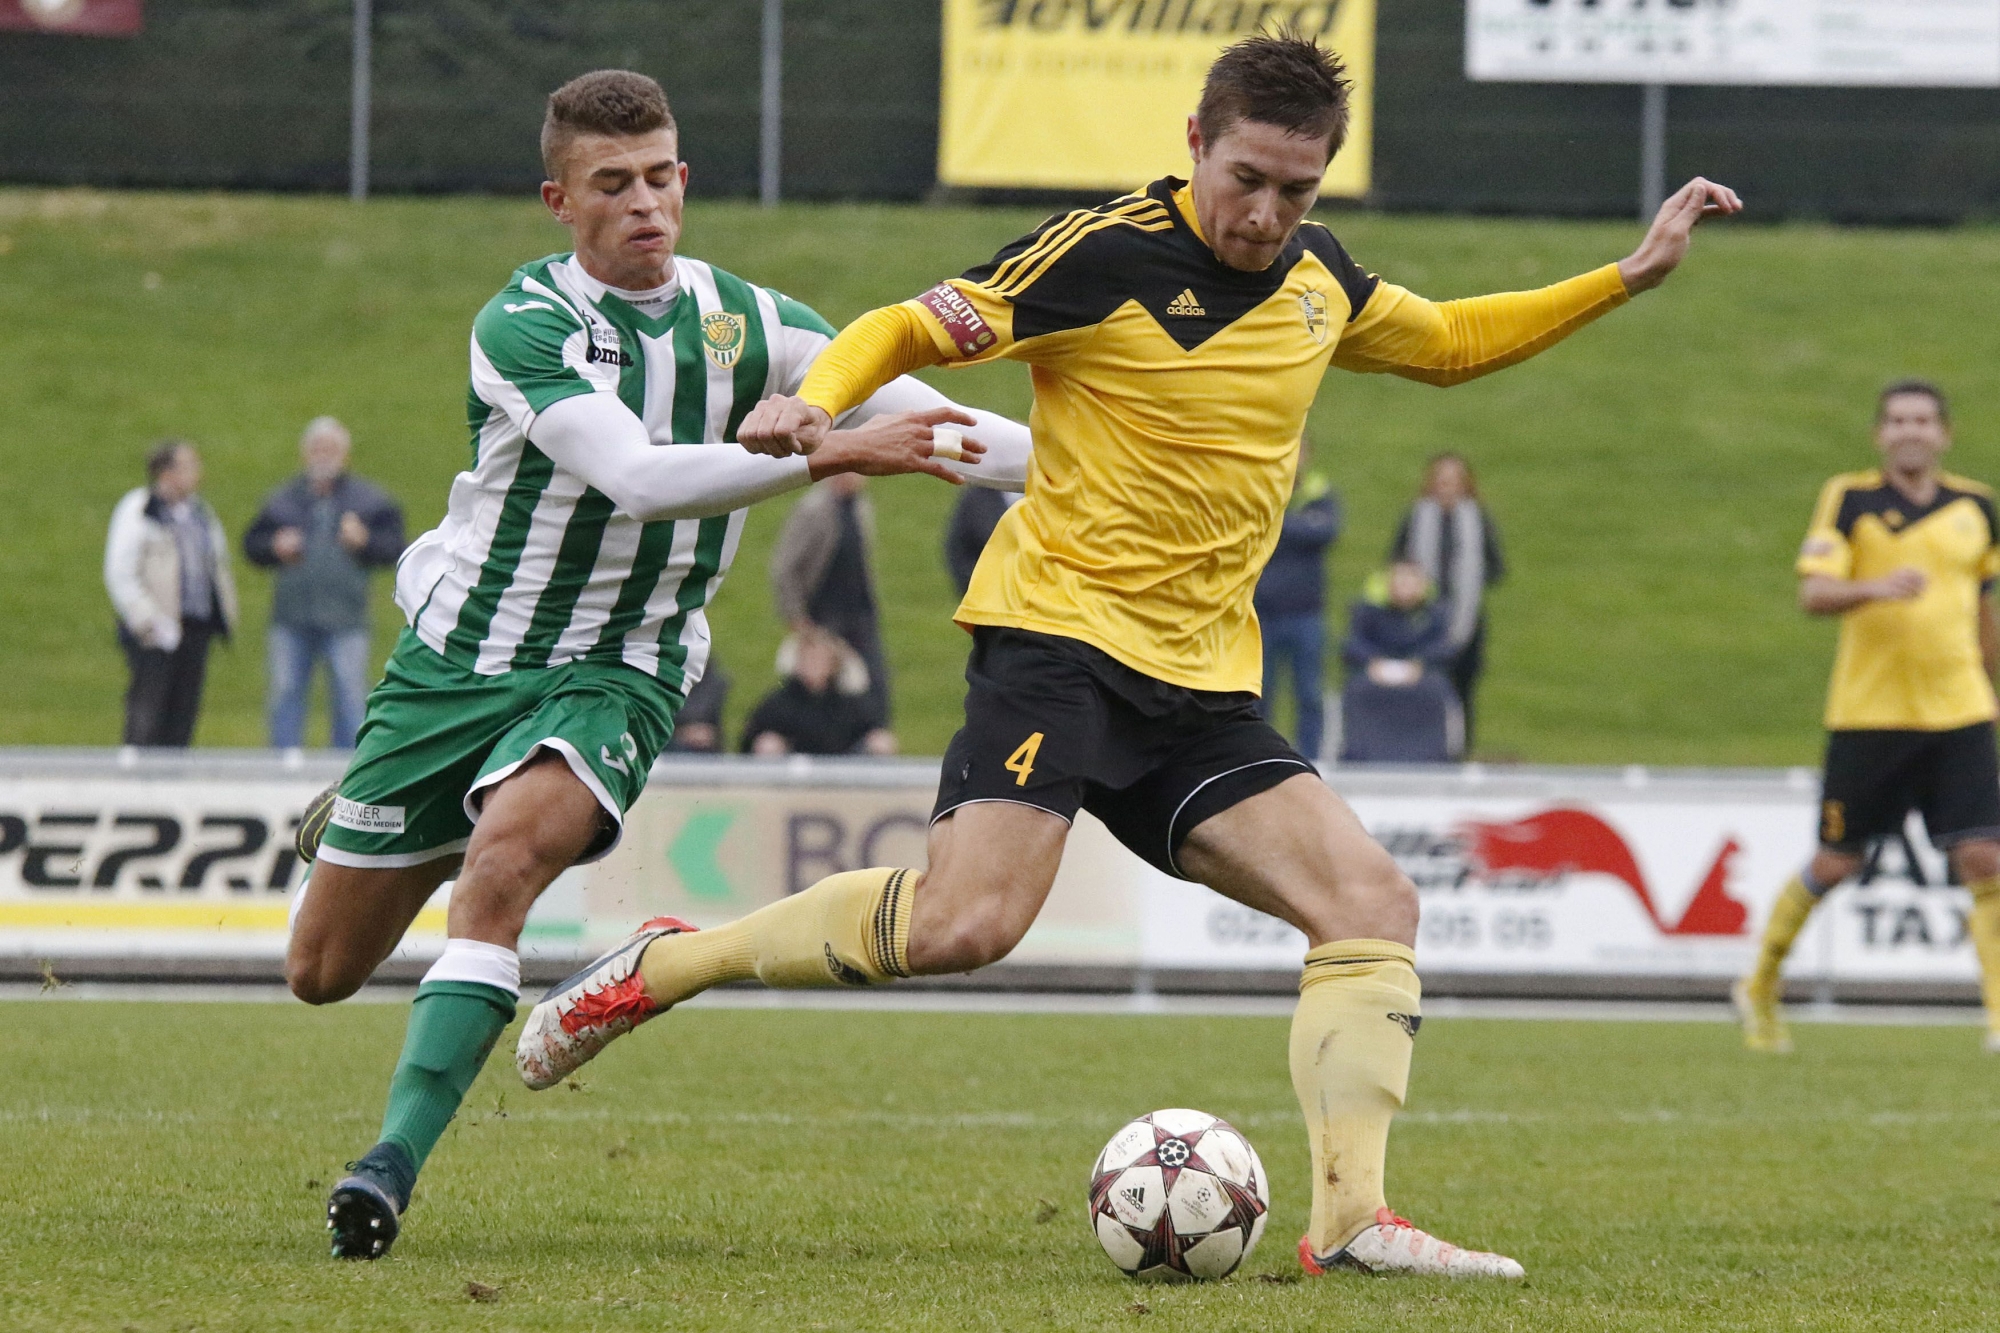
(166,566)
(822,575)
(1447,532)
(822,707)
(1398,705)
(698,726)
(1291,604)
(322,531)
(973,519)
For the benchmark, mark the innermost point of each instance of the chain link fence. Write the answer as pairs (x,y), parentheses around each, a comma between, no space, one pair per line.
(254,94)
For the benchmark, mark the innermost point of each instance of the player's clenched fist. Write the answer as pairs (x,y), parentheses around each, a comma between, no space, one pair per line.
(782,425)
(889,445)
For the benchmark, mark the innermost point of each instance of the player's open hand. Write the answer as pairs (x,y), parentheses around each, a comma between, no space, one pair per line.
(782,425)
(1666,243)
(900,442)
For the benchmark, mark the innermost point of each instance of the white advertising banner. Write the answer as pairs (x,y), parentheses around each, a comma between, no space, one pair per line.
(1544,872)
(1902,43)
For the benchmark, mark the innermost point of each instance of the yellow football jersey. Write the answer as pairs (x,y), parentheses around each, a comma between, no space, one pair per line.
(1170,395)
(1909,665)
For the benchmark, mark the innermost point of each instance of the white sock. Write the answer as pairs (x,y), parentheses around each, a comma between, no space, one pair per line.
(475,960)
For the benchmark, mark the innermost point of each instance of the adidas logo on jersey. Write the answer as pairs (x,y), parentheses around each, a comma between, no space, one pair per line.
(1185,304)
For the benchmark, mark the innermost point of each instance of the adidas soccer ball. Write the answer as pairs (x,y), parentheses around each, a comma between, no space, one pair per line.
(1178,1195)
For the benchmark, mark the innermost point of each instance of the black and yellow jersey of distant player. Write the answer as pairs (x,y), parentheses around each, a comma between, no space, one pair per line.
(1909,663)
(1171,391)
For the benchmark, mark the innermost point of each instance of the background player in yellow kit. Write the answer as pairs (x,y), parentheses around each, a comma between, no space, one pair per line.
(1905,555)
(1177,338)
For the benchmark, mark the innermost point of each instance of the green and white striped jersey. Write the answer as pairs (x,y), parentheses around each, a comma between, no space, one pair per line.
(531,566)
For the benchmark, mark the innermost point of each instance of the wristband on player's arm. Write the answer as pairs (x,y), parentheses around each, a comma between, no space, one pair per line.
(870,352)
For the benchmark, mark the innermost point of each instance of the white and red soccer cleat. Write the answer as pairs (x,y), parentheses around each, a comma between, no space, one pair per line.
(1393,1245)
(579,1017)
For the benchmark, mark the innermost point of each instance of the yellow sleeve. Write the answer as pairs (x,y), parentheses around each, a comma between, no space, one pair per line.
(1825,550)
(1450,342)
(866,355)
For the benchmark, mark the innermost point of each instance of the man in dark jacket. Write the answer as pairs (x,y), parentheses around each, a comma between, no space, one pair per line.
(322,531)
(973,519)
(1291,605)
(1399,705)
(822,574)
(821,708)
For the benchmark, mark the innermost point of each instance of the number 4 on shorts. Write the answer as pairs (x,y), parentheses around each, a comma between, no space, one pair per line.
(1022,761)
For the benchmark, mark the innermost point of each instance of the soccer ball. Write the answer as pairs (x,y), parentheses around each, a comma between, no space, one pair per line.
(1178,1195)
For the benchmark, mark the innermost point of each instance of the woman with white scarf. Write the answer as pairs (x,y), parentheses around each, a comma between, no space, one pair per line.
(1448,532)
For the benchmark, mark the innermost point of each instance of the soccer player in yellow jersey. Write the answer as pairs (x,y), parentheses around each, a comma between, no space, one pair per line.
(1905,555)
(1176,339)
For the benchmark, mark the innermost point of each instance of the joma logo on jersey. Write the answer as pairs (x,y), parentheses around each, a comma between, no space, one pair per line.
(605,347)
(1313,306)
(722,336)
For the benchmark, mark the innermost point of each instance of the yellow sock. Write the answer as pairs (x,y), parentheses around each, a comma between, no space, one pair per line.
(851,929)
(1985,927)
(1788,917)
(1359,1007)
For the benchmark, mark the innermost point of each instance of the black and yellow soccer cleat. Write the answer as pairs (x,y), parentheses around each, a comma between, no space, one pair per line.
(364,1209)
(312,824)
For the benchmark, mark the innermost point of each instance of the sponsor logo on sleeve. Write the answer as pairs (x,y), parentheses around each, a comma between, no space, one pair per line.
(367,818)
(970,333)
(1816,546)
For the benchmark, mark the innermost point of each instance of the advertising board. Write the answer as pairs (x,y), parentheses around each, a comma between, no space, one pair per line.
(1547,873)
(1907,43)
(1095,94)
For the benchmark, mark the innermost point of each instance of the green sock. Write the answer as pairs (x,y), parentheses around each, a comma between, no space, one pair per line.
(453,1025)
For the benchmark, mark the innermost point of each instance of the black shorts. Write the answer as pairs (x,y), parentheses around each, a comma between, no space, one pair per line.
(1875,778)
(1057,724)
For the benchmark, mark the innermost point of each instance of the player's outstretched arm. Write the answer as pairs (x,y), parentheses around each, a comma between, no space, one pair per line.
(894,444)
(596,437)
(1450,342)
(1667,240)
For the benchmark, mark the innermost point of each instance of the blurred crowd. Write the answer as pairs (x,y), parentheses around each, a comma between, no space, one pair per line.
(1412,655)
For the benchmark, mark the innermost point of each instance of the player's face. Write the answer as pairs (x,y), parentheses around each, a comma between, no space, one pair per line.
(1252,188)
(621,198)
(1911,433)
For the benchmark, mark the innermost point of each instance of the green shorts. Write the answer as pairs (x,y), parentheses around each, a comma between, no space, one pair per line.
(437,735)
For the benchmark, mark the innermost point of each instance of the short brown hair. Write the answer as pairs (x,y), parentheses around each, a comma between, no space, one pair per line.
(1899,388)
(604,101)
(1280,79)
(162,456)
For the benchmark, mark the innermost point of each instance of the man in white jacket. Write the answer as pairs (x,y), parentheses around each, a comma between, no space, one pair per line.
(166,566)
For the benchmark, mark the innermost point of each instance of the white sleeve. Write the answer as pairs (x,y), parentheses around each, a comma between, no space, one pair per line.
(1008,444)
(596,437)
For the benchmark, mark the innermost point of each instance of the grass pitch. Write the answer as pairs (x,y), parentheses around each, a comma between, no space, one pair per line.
(166,1165)
(1652,476)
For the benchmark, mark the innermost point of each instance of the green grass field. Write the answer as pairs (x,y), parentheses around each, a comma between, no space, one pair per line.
(1651,477)
(165,1167)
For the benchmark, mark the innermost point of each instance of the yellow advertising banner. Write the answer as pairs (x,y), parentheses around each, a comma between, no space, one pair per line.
(1095,94)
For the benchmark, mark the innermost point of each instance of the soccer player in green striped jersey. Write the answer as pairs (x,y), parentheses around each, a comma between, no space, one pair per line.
(556,614)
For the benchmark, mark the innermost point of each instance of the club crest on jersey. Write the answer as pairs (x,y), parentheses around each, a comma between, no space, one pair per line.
(605,347)
(722,336)
(1313,306)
